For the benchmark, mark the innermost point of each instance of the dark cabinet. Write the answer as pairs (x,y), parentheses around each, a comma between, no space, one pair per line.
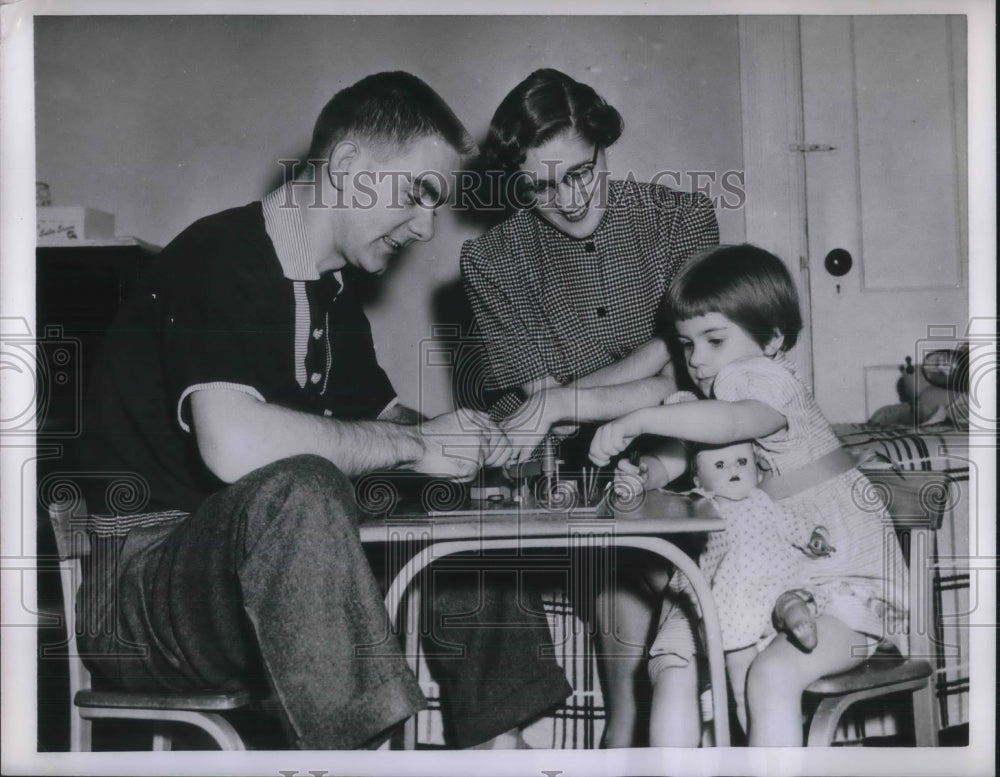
(80,285)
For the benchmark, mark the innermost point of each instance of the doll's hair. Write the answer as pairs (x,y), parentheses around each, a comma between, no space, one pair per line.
(748,285)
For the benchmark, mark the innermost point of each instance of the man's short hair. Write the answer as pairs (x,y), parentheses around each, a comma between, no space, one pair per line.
(388,109)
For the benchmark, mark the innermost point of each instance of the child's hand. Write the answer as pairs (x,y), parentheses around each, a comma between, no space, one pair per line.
(650,473)
(629,483)
(610,440)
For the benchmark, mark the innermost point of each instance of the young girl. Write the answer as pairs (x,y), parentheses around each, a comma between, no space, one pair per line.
(736,313)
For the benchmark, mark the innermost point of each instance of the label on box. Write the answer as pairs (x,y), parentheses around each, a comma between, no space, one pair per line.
(74,223)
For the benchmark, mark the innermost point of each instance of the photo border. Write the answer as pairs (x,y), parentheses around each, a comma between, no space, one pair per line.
(17,247)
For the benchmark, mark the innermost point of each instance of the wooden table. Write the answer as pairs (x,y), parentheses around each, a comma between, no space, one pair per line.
(645,526)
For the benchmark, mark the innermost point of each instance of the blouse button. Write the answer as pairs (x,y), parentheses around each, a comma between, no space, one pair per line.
(602,312)
(589,247)
(315,377)
(328,413)
(317,334)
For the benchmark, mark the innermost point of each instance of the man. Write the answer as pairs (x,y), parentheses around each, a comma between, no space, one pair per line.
(240,385)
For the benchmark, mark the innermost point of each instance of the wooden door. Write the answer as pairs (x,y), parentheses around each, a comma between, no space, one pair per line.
(883,141)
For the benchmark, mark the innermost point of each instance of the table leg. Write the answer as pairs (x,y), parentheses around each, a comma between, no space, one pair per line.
(657,545)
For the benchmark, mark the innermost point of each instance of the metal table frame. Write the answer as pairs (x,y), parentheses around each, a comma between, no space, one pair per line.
(641,527)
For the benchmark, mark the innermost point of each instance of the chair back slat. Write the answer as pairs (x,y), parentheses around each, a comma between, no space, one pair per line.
(69,524)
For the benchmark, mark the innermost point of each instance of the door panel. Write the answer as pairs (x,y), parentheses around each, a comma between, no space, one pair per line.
(906,138)
(887,94)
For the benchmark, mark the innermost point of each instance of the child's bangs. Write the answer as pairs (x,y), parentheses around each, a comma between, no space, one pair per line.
(691,296)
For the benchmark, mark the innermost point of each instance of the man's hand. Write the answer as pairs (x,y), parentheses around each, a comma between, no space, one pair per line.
(457,444)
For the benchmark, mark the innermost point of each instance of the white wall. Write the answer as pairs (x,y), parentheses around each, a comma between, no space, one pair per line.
(162,120)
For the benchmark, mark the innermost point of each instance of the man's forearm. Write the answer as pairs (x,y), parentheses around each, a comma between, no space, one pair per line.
(237,434)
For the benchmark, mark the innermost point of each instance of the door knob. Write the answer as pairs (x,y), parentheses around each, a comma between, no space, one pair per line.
(838,262)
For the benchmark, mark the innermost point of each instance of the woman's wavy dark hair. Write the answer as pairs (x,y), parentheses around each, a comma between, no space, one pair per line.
(542,106)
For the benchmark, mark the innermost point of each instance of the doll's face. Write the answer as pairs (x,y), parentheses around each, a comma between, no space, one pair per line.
(730,472)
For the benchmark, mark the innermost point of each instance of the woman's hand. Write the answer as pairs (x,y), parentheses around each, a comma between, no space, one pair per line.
(498,448)
(614,437)
(528,425)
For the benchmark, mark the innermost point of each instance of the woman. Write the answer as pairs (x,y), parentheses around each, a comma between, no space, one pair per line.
(565,292)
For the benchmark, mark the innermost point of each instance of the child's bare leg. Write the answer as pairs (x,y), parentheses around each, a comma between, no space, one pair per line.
(795,614)
(622,616)
(780,674)
(675,717)
(737,665)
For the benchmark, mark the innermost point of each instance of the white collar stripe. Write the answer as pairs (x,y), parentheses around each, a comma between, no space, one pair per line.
(287,231)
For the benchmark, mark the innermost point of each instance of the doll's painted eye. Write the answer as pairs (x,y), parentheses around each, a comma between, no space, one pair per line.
(742,461)
(720,464)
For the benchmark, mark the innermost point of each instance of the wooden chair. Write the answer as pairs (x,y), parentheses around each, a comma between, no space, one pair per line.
(162,709)
(916,504)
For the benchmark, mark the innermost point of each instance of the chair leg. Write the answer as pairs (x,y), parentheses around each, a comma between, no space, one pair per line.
(213,724)
(80,733)
(161,740)
(405,737)
(216,726)
(824,721)
(408,735)
(925,716)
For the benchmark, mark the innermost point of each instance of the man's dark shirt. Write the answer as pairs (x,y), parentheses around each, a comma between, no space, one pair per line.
(217,309)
